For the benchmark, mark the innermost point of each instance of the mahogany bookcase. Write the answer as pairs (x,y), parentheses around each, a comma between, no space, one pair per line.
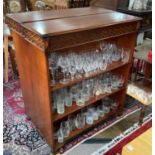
(37,34)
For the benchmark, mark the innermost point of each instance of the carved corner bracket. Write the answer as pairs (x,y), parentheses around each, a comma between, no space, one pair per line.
(27,34)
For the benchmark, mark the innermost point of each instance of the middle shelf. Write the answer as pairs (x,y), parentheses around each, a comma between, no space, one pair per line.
(74,107)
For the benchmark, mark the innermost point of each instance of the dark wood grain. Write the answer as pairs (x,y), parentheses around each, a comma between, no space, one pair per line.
(56,14)
(75,39)
(67,24)
(65,30)
(34,81)
(78,23)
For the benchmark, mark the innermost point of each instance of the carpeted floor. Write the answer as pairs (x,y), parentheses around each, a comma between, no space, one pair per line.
(19,135)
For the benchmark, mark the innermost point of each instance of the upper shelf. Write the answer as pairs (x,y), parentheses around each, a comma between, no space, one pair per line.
(110,67)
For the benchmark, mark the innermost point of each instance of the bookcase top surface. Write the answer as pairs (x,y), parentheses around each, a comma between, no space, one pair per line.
(57,22)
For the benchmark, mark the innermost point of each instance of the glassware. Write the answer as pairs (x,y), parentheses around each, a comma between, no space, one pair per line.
(60,136)
(114,84)
(85,117)
(138,5)
(95,115)
(84,63)
(53,66)
(72,72)
(65,127)
(125,55)
(73,92)
(106,105)
(89,118)
(67,98)
(80,101)
(114,105)
(71,120)
(79,121)
(64,64)
(60,104)
(82,92)
(120,81)
(100,111)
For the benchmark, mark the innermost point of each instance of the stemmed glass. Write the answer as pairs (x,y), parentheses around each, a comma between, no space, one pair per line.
(64,64)
(76,64)
(53,66)
(80,67)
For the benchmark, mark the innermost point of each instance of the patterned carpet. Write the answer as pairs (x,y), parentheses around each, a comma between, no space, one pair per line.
(19,135)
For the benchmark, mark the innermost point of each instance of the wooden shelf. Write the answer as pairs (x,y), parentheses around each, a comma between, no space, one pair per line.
(79,131)
(110,67)
(74,107)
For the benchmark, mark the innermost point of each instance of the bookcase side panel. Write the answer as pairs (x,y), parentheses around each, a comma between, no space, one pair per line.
(34,79)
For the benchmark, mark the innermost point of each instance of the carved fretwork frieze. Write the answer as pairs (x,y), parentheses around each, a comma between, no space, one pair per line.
(27,34)
(78,38)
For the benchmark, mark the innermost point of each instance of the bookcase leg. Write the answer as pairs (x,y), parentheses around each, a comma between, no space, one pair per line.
(142,114)
(28,118)
(120,111)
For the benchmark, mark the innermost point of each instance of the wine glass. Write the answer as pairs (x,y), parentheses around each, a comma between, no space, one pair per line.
(63,63)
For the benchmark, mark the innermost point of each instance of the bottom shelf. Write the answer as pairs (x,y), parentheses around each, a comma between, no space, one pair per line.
(79,131)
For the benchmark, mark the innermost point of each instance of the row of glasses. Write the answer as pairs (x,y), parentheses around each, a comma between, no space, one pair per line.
(94,113)
(80,93)
(66,127)
(84,117)
(74,65)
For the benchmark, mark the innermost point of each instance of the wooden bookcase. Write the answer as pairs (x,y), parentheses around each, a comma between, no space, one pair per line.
(37,34)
